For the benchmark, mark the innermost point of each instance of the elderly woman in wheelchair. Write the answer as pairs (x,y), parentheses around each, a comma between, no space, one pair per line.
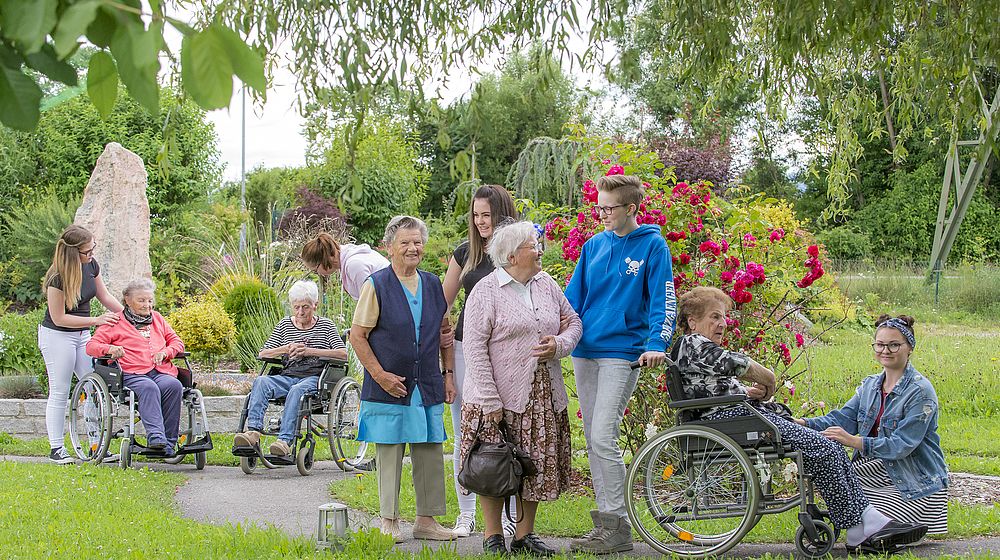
(303,345)
(134,367)
(143,344)
(706,482)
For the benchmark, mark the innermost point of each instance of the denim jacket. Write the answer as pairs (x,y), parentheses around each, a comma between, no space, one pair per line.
(907,441)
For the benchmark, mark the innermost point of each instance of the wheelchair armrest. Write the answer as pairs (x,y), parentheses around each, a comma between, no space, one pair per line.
(277,361)
(707,402)
(326,360)
(183,355)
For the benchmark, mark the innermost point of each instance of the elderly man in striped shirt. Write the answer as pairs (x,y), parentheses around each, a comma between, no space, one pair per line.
(301,341)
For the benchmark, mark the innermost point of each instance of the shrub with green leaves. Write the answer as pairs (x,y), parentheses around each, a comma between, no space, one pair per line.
(205,328)
(19,353)
(32,234)
(255,309)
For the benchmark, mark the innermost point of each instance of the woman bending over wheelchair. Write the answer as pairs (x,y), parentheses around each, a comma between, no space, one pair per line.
(891,422)
(709,370)
(143,344)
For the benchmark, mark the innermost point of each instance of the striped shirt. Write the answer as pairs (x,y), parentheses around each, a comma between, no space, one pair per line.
(322,335)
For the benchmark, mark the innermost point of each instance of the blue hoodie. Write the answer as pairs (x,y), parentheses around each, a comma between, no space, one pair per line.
(623,290)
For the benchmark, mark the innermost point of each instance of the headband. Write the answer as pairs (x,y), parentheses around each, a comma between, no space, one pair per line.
(899,325)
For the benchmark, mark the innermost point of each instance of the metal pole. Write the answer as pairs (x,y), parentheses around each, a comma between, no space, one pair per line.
(243,170)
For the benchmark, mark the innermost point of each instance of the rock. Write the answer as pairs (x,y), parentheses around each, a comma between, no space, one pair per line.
(115,209)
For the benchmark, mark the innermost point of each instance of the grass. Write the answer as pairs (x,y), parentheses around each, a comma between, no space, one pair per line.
(966,295)
(95,513)
(567,517)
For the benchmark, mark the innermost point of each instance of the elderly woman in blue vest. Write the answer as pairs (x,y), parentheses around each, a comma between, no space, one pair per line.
(396,334)
(891,422)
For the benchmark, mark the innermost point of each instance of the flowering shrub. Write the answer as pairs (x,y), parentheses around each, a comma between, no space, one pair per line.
(205,328)
(751,248)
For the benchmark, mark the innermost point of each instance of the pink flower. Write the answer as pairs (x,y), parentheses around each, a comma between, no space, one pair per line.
(813,251)
(726,277)
(685,258)
(579,414)
(799,340)
(749,240)
(700,273)
(676,235)
(616,170)
(605,161)
(777,235)
(589,192)
(786,354)
(725,245)
(710,247)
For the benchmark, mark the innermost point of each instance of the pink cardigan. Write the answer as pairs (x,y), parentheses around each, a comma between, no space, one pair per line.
(139,350)
(501,330)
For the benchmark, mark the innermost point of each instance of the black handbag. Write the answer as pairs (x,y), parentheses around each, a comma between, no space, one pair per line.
(496,470)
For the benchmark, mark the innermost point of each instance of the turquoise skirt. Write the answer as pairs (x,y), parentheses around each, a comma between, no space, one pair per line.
(398,423)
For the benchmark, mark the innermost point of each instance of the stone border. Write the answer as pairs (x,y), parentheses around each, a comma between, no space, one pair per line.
(25,418)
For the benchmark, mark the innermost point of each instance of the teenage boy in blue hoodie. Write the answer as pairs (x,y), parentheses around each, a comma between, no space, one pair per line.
(623,290)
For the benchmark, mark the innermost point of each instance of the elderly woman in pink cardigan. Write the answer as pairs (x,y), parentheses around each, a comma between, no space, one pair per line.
(513,342)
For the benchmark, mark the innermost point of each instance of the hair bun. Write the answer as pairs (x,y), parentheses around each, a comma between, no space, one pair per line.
(882,319)
(908,320)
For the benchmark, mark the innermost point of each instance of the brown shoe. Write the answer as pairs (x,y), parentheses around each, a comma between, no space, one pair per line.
(432,531)
(279,448)
(390,528)
(249,438)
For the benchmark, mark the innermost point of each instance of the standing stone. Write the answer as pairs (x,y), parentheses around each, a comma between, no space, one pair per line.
(116,210)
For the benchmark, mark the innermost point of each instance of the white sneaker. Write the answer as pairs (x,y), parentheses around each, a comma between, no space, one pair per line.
(509,527)
(465,525)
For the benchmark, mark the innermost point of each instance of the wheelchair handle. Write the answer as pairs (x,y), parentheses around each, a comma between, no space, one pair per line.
(635,365)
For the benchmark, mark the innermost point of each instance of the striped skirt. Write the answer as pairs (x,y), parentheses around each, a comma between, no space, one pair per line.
(882,493)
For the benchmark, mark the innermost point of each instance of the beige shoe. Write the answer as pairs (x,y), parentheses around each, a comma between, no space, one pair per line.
(249,438)
(432,531)
(279,448)
(390,528)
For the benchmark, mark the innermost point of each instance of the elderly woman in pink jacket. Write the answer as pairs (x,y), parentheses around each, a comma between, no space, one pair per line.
(512,345)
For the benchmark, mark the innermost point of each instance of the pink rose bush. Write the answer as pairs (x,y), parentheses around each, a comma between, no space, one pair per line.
(755,252)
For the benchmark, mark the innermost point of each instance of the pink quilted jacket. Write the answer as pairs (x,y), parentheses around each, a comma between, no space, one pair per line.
(501,330)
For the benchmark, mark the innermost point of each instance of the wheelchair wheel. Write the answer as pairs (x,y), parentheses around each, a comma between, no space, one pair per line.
(90,418)
(692,492)
(125,452)
(348,452)
(826,538)
(248,464)
(200,460)
(304,459)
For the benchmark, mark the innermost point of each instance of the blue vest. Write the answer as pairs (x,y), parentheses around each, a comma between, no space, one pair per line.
(394,340)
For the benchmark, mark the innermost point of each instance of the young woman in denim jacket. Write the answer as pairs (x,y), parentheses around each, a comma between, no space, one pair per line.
(891,422)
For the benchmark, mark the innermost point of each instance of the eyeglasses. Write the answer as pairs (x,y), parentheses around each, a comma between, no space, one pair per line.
(537,247)
(607,210)
(892,347)
(89,253)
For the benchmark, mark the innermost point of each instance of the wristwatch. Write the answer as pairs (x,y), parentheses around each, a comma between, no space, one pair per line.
(447,371)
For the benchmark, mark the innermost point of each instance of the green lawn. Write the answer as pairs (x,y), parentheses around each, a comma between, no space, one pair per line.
(567,517)
(92,512)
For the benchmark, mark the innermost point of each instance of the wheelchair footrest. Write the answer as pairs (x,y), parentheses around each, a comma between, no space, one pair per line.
(246,451)
(202,445)
(283,460)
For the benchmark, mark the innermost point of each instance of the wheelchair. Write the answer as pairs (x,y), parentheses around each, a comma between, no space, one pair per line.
(96,399)
(696,490)
(330,413)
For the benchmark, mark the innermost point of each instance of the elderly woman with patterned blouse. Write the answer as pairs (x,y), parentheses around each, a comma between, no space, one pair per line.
(709,370)
(513,343)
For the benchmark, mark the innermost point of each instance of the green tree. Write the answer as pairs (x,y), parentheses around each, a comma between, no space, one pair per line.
(935,59)
(387,175)
(72,135)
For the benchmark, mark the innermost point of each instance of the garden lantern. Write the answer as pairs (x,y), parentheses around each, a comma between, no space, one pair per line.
(332,526)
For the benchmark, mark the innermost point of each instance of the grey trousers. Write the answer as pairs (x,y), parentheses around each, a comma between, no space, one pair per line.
(428,477)
(614,381)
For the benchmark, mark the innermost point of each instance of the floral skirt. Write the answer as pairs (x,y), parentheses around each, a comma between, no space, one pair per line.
(540,431)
